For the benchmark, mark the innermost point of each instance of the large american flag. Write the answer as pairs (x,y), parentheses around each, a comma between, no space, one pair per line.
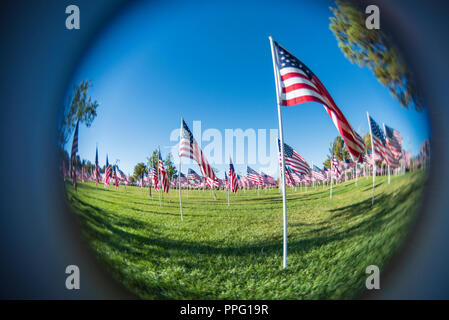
(154,178)
(189,148)
(252,175)
(164,177)
(299,85)
(394,141)
(108,173)
(73,155)
(232,177)
(293,159)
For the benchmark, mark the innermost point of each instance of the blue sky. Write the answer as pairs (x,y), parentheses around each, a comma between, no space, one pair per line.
(211,61)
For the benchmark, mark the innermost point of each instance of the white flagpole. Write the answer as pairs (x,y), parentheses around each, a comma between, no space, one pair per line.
(281,134)
(179,173)
(372,153)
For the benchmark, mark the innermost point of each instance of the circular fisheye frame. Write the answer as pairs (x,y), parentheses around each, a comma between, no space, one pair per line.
(276,154)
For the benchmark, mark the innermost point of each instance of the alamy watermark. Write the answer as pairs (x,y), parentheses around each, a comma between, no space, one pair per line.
(245,146)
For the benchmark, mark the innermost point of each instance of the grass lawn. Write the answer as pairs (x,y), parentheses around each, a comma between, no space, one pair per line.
(221,252)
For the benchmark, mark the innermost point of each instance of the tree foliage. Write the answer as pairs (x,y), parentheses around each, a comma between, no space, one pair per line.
(375,50)
(170,167)
(367,139)
(139,170)
(338,149)
(80,108)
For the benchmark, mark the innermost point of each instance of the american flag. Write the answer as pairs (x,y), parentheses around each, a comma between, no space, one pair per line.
(189,148)
(293,159)
(182,178)
(116,177)
(299,85)
(268,179)
(193,176)
(394,140)
(164,177)
(226,181)
(378,139)
(252,175)
(232,177)
(73,156)
(317,173)
(296,177)
(336,166)
(154,178)
(97,167)
(108,173)
(289,176)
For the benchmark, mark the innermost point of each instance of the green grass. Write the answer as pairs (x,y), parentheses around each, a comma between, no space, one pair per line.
(221,252)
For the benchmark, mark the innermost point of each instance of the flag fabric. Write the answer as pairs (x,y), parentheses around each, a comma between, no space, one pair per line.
(115,177)
(317,173)
(73,155)
(154,178)
(299,85)
(393,146)
(289,176)
(379,141)
(226,181)
(189,148)
(394,141)
(252,175)
(293,159)
(97,167)
(163,174)
(232,177)
(108,173)
(336,166)
(193,176)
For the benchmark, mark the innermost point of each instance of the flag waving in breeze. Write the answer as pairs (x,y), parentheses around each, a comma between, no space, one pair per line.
(154,178)
(108,173)
(294,160)
(317,173)
(393,143)
(189,148)
(115,177)
(298,84)
(97,167)
(164,176)
(336,166)
(232,177)
(226,181)
(252,175)
(379,142)
(193,176)
(73,155)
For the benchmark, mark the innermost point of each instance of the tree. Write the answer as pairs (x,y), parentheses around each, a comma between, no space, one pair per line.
(375,50)
(80,108)
(339,150)
(139,170)
(170,167)
(367,139)
(153,161)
